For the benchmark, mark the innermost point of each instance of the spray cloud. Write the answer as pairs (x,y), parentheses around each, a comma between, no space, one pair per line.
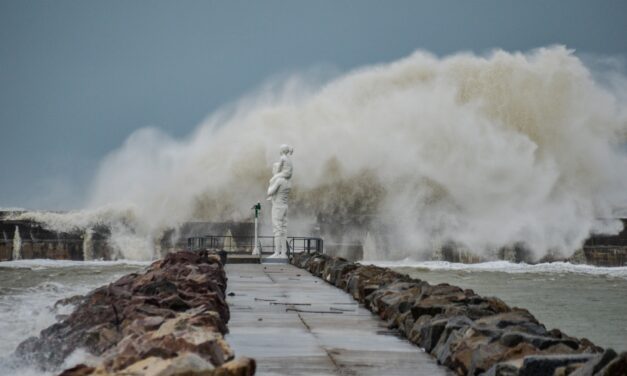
(485,151)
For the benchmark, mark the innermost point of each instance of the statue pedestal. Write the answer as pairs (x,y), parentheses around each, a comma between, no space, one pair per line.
(274,260)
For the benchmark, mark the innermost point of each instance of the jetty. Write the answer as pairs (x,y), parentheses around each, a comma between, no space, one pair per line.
(293,323)
(190,314)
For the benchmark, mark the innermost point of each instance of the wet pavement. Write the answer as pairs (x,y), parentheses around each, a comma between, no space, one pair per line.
(293,323)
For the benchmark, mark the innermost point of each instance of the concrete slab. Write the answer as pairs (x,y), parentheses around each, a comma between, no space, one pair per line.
(235,258)
(269,260)
(293,323)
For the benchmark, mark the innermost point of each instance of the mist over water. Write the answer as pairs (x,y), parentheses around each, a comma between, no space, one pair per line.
(485,151)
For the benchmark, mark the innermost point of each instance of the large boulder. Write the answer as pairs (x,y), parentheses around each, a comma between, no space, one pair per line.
(546,365)
(618,366)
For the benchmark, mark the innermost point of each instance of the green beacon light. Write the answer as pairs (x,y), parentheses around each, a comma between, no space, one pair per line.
(257,208)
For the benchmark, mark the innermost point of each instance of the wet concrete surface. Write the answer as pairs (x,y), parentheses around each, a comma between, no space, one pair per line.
(293,323)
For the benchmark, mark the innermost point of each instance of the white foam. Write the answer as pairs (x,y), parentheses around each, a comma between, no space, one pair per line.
(48,263)
(506,267)
(486,151)
(25,311)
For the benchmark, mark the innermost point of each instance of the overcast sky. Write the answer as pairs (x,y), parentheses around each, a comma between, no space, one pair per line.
(77,77)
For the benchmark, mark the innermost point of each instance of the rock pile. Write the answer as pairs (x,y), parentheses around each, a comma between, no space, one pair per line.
(470,334)
(169,320)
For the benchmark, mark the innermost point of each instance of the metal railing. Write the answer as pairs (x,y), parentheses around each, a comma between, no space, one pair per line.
(246,244)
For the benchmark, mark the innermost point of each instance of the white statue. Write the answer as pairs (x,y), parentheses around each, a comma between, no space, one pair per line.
(278,193)
(284,170)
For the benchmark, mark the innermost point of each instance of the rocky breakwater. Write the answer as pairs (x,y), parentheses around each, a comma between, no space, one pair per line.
(169,320)
(470,334)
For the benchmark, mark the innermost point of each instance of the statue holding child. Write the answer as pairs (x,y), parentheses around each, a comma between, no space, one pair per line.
(278,193)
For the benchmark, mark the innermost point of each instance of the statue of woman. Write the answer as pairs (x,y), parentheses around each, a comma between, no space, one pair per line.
(278,193)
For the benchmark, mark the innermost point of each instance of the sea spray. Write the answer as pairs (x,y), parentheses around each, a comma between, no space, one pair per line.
(17,244)
(484,151)
(369,247)
(88,245)
(129,237)
(28,292)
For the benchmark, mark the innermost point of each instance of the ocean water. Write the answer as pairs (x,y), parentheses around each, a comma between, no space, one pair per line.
(580,300)
(28,291)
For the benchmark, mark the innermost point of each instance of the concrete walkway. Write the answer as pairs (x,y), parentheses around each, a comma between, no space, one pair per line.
(277,318)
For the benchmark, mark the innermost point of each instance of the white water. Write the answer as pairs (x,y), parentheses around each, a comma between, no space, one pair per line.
(486,151)
(28,291)
(40,264)
(17,244)
(507,267)
(88,245)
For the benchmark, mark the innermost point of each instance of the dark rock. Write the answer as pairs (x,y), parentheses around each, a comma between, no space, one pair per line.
(338,275)
(74,300)
(481,308)
(223,256)
(316,265)
(176,306)
(420,309)
(545,365)
(502,369)
(427,332)
(519,352)
(145,324)
(511,339)
(559,348)
(160,286)
(238,367)
(597,363)
(402,322)
(175,303)
(484,356)
(512,318)
(586,346)
(393,299)
(153,311)
(617,367)
(445,349)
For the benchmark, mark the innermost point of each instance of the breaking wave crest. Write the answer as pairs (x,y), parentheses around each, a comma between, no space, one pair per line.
(508,267)
(484,151)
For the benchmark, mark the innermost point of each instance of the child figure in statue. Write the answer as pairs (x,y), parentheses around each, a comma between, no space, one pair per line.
(285,164)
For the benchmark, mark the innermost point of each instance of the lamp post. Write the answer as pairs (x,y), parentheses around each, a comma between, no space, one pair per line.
(256,250)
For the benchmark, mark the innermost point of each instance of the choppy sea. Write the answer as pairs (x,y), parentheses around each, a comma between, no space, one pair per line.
(583,301)
(28,291)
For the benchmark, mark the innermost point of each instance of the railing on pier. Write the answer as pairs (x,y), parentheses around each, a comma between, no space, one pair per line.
(246,244)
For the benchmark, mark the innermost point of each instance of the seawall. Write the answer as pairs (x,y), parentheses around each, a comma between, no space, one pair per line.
(35,241)
(38,242)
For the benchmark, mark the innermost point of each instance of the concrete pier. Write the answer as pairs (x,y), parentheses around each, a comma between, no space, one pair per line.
(293,323)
